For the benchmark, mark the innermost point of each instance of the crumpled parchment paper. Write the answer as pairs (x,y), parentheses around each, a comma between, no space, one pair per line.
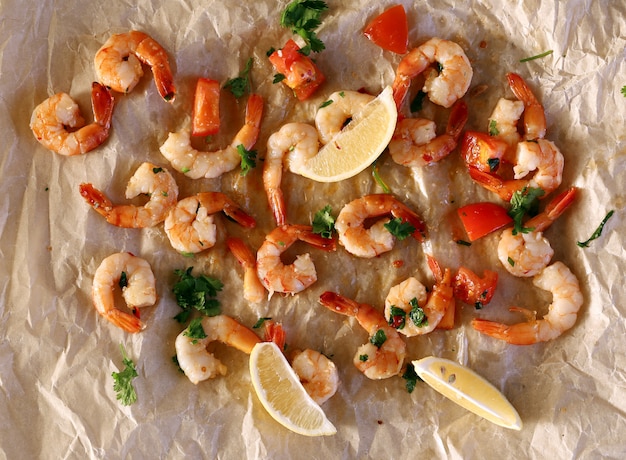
(57,354)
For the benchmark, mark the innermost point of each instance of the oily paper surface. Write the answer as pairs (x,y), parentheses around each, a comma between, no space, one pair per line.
(57,354)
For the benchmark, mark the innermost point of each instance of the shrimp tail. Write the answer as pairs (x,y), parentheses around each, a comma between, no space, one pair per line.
(517,334)
(153,54)
(504,189)
(96,199)
(305,233)
(241,252)
(534,115)
(126,321)
(251,128)
(458,118)
(553,210)
(102,104)
(276,201)
(339,304)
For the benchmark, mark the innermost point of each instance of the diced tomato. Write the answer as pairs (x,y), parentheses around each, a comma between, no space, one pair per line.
(390,30)
(480,219)
(206,108)
(472,289)
(301,73)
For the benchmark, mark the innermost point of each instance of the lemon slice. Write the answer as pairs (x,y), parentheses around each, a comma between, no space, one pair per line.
(468,389)
(358,144)
(282,394)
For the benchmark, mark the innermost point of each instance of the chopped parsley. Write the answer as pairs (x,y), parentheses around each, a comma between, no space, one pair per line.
(524,202)
(537,56)
(261,321)
(303,17)
(510,261)
(248,159)
(378,179)
(123,282)
(379,338)
(363,358)
(597,232)
(122,381)
(411,377)
(399,228)
(397,317)
(418,102)
(326,103)
(195,331)
(417,314)
(157,170)
(241,84)
(198,293)
(324,222)
(278,78)
(493,128)
(463,243)
(623,90)
(493,163)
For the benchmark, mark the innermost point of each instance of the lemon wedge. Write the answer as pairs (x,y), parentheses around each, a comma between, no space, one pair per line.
(358,144)
(468,389)
(282,394)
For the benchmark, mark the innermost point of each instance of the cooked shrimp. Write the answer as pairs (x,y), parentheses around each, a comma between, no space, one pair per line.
(373,241)
(278,277)
(293,144)
(526,254)
(317,373)
(382,356)
(562,312)
(415,143)
(410,310)
(190,224)
(339,109)
(444,87)
(503,121)
(52,119)
(149,179)
(197,164)
(253,290)
(197,362)
(118,63)
(134,276)
(534,115)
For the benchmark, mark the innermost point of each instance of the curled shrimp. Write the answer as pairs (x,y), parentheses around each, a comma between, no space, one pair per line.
(118,63)
(195,164)
(190,224)
(253,290)
(382,356)
(413,311)
(525,254)
(134,276)
(317,373)
(415,142)
(339,109)
(444,87)
(149,179)
(373,241)
(278,277)
(562,312)
(197,362)
(58,125)
(293,144)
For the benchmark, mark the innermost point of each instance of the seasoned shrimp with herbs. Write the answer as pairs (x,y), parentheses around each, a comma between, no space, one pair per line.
(196,164)
(293,278)
(443,87)
(149,179)
(338,110)
(190,225)
(377,239)
(57,123)
(567,299)
(135,278)
(195,360)
(119,62)
(383,355)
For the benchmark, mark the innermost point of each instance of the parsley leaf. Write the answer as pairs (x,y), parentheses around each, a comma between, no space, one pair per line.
(324,222)
(122,381)
(379,180)
(399,228)
(418,102)
(537,56)
(241,84)
(411,377)
(493,128)
(597,233)
(623,90)
(195,331)
(123,282)
(278,78)
(397,317)
(248,159)
(523,202)
(417,314)
(196,292)
(326,103)
(379,338)
(303,17)
(260,322)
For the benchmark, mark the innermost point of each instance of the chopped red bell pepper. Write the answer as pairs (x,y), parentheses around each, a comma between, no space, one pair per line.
(206,108)
(390,30)
(480,219)
(300,72)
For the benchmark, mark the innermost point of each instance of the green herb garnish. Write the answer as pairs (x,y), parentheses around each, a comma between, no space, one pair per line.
(537,56)
(463,243)
(493,128)
(363,358)
(241,84)
(123,282)
(379,338)
(303,17)
(397,317)
(195,331)
(411,377)
(278,78)
(418,102)
(326,103)
(623,90)
(122,381)
(378,179)
(261,321)
(417,314)
(524,202)
(399,228)
(196,293)
(248,159)
(324,222)
(597,233)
